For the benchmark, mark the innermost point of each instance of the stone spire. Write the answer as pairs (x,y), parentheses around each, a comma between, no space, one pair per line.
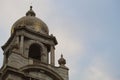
(30,12)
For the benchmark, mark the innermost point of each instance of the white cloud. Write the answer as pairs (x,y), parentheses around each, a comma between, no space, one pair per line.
(96,72)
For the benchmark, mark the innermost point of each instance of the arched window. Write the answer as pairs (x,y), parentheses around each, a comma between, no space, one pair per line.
(35,51)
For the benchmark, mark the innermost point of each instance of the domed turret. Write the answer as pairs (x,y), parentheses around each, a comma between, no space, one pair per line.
(31,22)
(29,53)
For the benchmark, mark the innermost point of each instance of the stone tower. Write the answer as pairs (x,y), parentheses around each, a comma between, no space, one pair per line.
(29,53)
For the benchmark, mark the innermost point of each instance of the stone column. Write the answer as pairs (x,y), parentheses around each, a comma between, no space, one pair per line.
(52,56)
(17,40)
(5,61)
(21,44)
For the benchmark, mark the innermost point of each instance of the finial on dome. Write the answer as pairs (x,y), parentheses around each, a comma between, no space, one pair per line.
(62,61)
(61,55)
(30,12)
(30,7)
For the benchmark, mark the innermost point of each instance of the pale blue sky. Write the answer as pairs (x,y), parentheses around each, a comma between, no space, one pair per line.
(87,32)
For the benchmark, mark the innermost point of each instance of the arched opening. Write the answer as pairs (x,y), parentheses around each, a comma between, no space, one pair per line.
(35,51)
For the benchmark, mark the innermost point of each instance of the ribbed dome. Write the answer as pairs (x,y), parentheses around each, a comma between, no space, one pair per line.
(31,22)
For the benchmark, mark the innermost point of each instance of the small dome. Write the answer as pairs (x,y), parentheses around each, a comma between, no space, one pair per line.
(62,61)
(31,22)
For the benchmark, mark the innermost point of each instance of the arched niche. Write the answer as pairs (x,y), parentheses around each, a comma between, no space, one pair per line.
(32,48)
(35,51)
